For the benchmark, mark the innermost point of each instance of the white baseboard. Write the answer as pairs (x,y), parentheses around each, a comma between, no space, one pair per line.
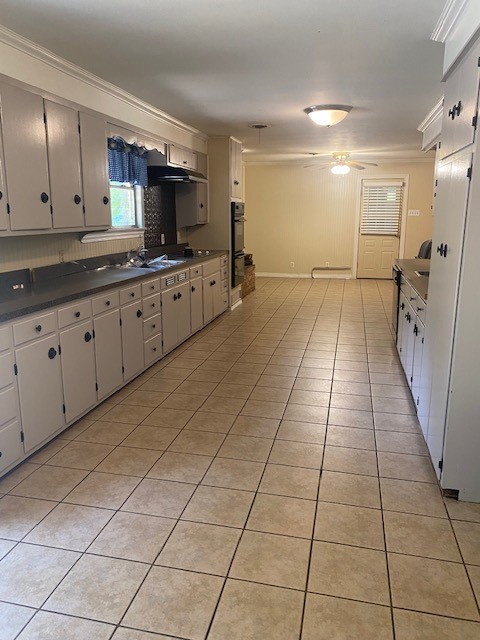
(236,304)
(261,274)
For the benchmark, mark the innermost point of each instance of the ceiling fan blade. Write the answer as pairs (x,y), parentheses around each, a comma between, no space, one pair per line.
(318,166)
(355,165)
(371,164)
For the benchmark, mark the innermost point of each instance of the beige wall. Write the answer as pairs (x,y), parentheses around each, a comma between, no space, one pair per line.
(308,216)
(37,251)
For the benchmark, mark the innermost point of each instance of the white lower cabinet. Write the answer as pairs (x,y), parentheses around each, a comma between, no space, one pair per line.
(78,369)
(175,315)
(39,379)
(211,294)
(11,447)
(196,304)
(132,339)
(108,352)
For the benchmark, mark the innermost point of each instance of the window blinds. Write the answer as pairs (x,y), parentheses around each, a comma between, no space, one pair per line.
(381,207)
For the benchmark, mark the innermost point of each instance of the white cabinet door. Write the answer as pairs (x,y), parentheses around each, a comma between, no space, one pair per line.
(108,352)
(236,187)
(191,203)
(132,339)
(196,304)
(182,312)
(25,149)
(418,331)
(208,296)
(3,190)
(182,157)
(453,187)
(40,390)
(78,369)
(11,448)
(175,315)
(96,185)
(63,142)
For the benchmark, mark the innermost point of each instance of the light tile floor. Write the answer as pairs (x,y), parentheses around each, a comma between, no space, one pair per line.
(266,480)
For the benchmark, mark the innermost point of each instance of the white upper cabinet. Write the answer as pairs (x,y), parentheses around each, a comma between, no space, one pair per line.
(96,185)
(236,185)
(25,148)
(64,165)
(3,191)
(181,157)
(191,203)
(460,105)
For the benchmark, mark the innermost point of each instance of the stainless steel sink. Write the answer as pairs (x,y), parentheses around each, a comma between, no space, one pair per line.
(422,273)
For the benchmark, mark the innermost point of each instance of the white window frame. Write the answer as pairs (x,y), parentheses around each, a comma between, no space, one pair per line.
(358,209)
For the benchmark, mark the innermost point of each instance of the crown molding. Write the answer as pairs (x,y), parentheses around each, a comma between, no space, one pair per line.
(46,56)
(432,116)
(448,19)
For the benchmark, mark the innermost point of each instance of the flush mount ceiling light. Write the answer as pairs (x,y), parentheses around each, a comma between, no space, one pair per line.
(326,115)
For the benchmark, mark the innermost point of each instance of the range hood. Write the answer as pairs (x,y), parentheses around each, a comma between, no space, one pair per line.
(167,173)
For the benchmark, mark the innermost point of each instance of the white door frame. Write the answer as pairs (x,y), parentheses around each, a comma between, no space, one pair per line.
(358,208)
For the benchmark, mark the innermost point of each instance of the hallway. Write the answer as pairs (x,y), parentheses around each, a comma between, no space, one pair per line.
(266,480)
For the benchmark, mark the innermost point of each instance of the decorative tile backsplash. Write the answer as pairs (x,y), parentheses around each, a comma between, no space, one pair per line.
(159,215)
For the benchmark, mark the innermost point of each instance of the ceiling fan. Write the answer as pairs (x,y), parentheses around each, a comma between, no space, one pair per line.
(341,164)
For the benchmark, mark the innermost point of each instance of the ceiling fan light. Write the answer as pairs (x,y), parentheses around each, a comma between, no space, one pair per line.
(340,169)
(327,115)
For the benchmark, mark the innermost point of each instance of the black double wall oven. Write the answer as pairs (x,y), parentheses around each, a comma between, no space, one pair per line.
(238,242)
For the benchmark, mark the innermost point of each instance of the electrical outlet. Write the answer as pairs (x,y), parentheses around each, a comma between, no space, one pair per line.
(61,256)
(327,264)
(292,265)
(162,238)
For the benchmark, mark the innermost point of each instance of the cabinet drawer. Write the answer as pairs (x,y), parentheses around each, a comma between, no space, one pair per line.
(420,307)
(412,297)
(151,305)
(153,349)
(152,326)
(74,313)
(11,448)
(211,266)
(150,286)
(224,273)
(196,271)
(6,370)
(33,328)
(223,260)
(8,405)
(130,293)
(5,338)
(105,302)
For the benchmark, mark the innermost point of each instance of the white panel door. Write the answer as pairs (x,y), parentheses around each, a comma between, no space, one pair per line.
(63,142)
(182,312)
(208,292)
(376,255)
(417,361)
(40,390)
(11,448)
(78,369)
(108,352)
(453,187)
(25,149)
(96,185)
(196,304)
(132,339)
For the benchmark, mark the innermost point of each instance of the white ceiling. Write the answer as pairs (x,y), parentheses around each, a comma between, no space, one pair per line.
(221,65)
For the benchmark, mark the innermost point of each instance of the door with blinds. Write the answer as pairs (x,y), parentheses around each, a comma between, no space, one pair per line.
(380,223)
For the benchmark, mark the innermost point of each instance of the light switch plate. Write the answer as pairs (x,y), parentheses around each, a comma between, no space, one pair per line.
(413,212)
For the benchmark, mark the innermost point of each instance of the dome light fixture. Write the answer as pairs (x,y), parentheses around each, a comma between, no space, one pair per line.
(327,115)
(340,169)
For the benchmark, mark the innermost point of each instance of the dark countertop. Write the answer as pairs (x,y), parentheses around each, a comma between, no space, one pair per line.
(408,268)
(56,291)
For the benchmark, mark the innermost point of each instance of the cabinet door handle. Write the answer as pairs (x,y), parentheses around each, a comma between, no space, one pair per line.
(440,249)
(236,182)
(451,112)
(105,200)
(152,287)
(201,205)
(153,305)
(402,306)
(193,289)
(132,295)
(1,195)
(174,296)
(154,326)
(77,199)
(458,108)
(52,353)
(139,313)
(154,348)
(107,302)
(77,314)
(44,197)
(179,296)
(445,249)
(88,336)
(415,330)
(38,328)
